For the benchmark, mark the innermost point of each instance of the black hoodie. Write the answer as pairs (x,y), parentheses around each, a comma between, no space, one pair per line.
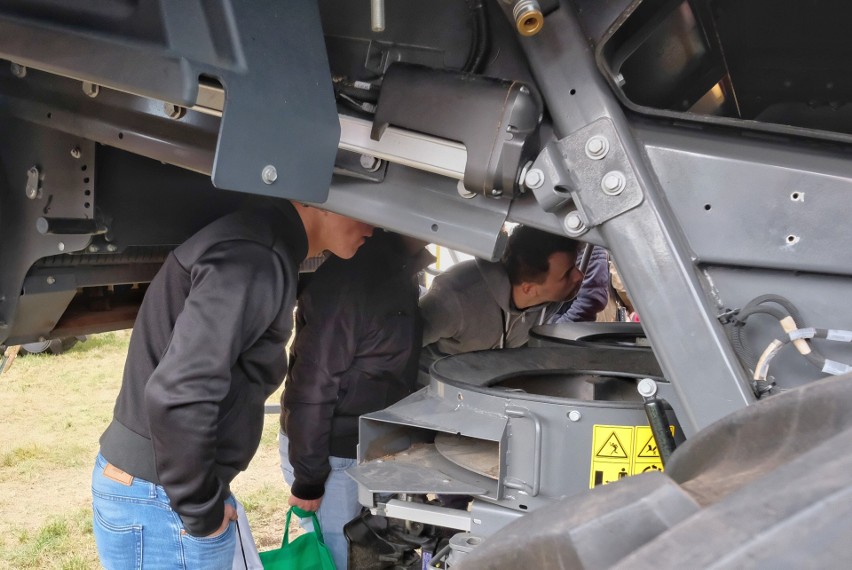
(206,352)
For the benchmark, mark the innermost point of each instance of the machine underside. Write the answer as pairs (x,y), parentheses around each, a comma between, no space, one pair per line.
(704,143)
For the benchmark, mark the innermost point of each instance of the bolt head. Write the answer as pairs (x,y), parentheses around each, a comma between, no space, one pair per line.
(61,246)
(76,152)
(51,280)
(534,179)
(19,70)
(647,388)
(93,248)
(91,89)
(574,415)
(173,111)
(496,192)
(597,147)
(269,174)
(369,163)
(111,248)
(613,182)
(573,222)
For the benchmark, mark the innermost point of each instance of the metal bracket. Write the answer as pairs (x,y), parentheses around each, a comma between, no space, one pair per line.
(590,167)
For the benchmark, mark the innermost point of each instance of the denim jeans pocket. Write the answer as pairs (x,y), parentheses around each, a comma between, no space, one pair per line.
(117,542)
(210,552)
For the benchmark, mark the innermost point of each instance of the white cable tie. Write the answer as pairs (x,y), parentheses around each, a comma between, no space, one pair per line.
(809,332)
(839,335)
(362,85)
(835,368)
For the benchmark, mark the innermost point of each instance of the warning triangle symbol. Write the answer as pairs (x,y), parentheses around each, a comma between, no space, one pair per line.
(649,449)
(612,448)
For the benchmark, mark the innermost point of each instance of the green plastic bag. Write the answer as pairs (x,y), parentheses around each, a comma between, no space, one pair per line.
(306,552)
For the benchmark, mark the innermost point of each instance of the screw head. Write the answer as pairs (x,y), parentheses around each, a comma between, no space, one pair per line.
(93,248)
(269,174)
(111,248)
(613,183)
(574,415)
(61,246)
(597,147)
(534,179)
(496,193)
(76,152)
(51,280)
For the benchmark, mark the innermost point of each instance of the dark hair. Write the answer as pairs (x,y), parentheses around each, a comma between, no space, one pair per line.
(526,258)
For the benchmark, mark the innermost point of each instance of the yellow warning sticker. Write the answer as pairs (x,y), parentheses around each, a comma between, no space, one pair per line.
(621,451)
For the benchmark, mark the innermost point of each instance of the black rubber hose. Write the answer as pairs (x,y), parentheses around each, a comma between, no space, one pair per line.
(481,43)
(784,302)
(750,309)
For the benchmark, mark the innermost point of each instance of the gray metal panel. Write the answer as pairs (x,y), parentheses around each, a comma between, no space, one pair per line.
(270,57)
(420,470)
(822,301)
(756,203)
(653,255)
(425,206)
(63,186)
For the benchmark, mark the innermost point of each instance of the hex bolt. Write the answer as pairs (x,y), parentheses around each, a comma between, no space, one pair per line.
(597,147)
(269,174)
(93,248)
(19,70)
(534,179)
(573,222)
(111,248)
(613,183)
(496,193)
(50,280)
(174,111)
(574,415)
(61,246)
(91,89)
(647,388)
(76,152)
(370,163)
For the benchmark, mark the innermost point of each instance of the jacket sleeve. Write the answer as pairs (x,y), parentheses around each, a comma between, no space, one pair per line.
(323,352)
(236,291)
(441,311)
(594,291)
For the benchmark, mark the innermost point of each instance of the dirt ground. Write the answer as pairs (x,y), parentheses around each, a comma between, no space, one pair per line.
(54,410)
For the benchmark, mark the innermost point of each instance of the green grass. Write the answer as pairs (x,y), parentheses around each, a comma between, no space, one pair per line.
(55,409)
(57,544)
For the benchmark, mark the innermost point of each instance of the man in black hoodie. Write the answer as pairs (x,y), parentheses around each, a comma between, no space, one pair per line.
(207,350)
(358,337)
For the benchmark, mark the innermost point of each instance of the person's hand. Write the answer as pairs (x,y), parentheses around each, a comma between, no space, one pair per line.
(312,505)
(230,515)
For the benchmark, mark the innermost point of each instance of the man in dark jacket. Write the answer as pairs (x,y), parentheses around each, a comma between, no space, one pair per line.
(357,342)
(207,350)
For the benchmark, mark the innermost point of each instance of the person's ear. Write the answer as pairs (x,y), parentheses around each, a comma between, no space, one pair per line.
(527,287)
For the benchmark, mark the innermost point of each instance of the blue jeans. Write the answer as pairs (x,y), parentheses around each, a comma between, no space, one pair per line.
(136,529)
(339,503)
